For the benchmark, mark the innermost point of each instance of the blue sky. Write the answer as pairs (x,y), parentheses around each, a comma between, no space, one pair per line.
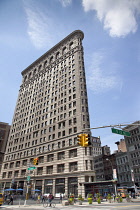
(28,28)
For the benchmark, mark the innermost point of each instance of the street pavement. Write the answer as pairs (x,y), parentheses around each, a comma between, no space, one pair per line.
(105,205)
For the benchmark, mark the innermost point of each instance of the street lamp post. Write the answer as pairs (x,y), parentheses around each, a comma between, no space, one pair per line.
(115,187)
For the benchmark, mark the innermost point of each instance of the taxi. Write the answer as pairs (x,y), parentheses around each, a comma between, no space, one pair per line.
(1,199)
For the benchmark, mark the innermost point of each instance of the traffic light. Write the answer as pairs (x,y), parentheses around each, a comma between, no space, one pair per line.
(86,140)
(35,161)
(89,141)
(80,139)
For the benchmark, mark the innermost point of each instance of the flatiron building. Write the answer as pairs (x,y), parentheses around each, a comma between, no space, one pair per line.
(51,110)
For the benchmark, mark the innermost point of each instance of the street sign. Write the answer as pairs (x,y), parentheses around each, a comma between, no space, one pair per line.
(28,178)
(121,132)
(31,168)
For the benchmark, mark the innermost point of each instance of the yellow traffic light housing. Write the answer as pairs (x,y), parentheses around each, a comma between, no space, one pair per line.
(80,139)
(86,140)
(83,140)
(35,161)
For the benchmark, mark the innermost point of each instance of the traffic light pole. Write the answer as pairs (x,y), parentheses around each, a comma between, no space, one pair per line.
(27,191)
(109,126)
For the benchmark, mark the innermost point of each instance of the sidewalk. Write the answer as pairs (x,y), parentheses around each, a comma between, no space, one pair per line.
(59,205)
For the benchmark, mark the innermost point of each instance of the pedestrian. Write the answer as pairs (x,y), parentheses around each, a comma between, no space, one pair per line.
(50,198)
(61,198)
(113,195)
(11,200)
(38,199)
(43,198)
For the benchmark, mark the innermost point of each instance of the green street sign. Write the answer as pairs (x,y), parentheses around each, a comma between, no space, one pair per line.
(28,178)
(31,168)
(121,132)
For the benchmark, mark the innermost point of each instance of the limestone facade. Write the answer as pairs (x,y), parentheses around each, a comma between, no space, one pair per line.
(51,110)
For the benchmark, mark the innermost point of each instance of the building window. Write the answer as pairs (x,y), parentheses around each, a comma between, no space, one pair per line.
(9,174)
(41,159)
(70,142)
(40,171)
(59,144)
(70,131)
(6,166)
(86,178)
(63,133)
(4,175)
(75,129)
(73,166)
(11,165)
(50,158)
(60,168)
(63,143)
(24,162)
(72,153)
(61,155)
(91,164)
(49,170)
(23,172)
(16,173)
(85,150)
(86,163)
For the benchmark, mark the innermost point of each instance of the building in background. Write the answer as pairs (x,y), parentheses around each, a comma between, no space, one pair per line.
(4,132)
(133,148)
(97,148)
(100,164)
(106,150)
(123,169)
(126,160)
(51,110)
(121,145)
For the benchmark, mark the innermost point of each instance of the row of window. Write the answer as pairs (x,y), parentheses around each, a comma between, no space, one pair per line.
(41,82)
(121,160)
(49,170)
(41,149)
(73,166)
(49,61)
(50,158)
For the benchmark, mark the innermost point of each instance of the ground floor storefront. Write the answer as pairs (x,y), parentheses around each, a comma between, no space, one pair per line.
(65,185)
(103,187)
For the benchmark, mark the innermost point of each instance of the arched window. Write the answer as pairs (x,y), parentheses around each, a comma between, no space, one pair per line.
(39,68)
(40,149)
(30,75)
(45,64)
(57,55)
(51,59)
(71,45)
(64,50)
(25,78)
(34,72)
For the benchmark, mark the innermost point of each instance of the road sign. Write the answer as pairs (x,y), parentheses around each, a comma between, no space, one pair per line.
(28,178)
(31,168)
(121,132)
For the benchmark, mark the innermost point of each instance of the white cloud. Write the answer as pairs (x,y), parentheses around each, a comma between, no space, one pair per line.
(119,17)
(101,79)
(39,27)
(44,29)
(65,3)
